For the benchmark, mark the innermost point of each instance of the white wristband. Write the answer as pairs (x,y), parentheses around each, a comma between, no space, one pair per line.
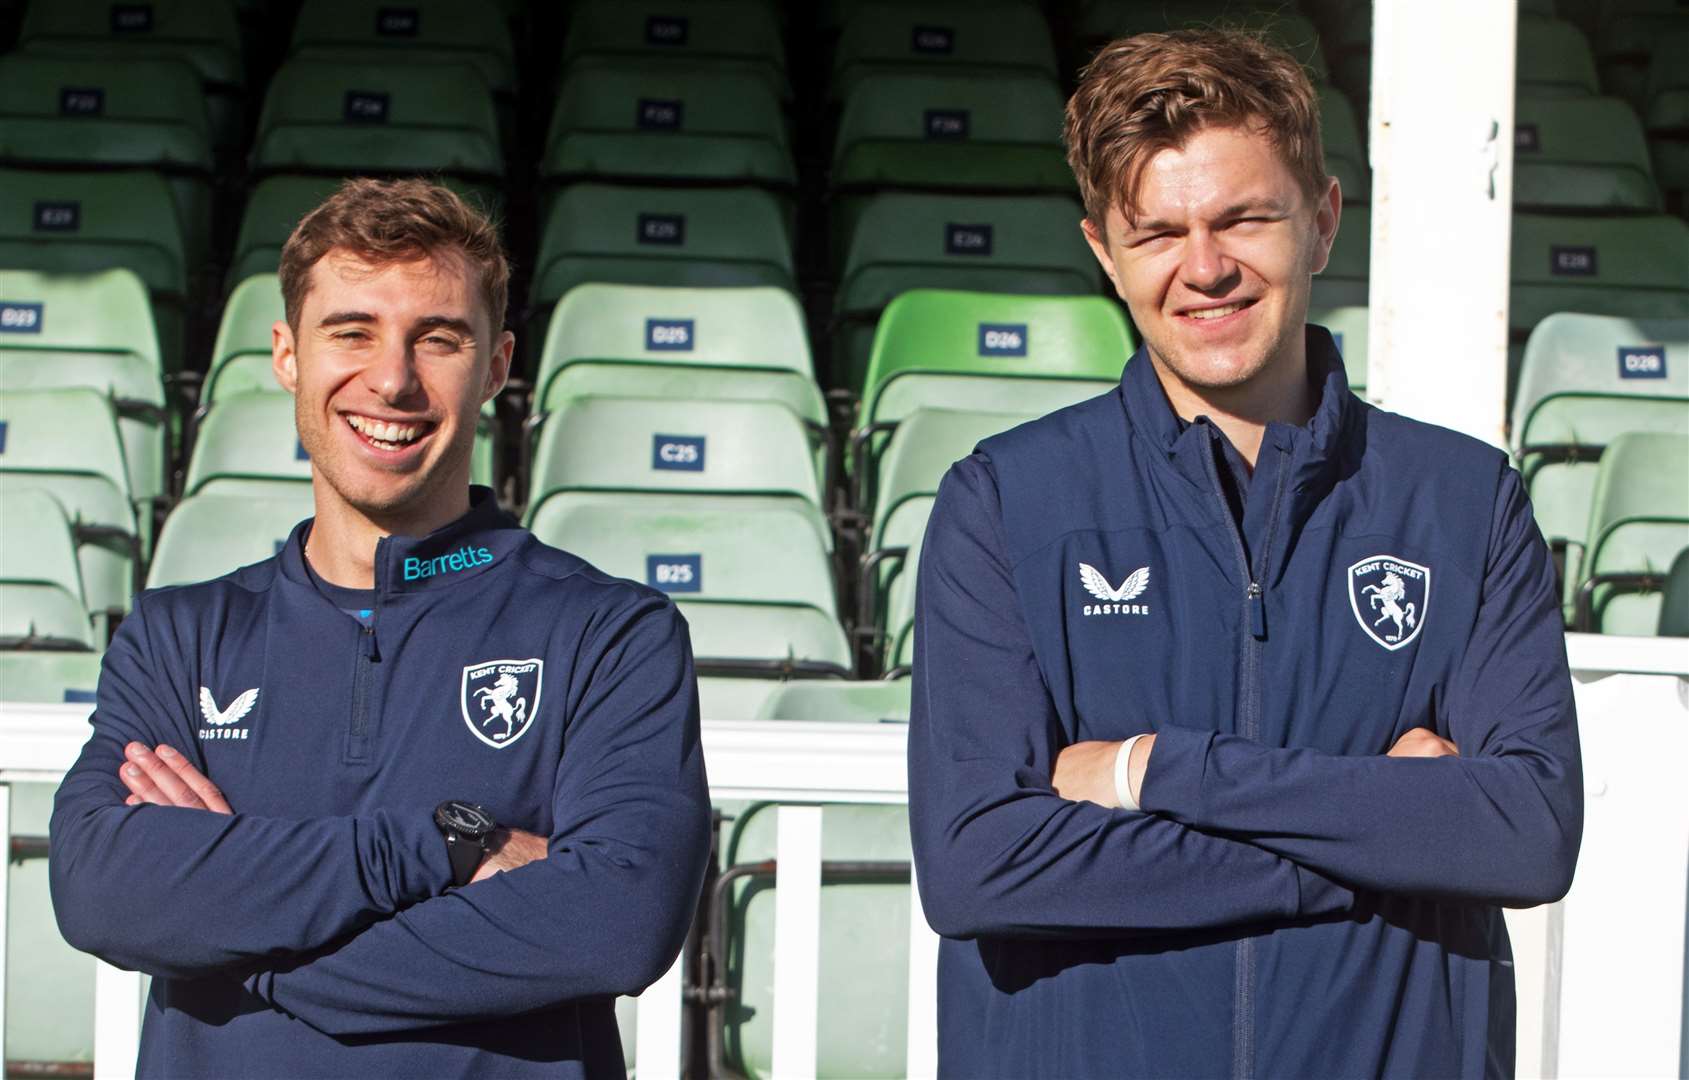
(1122,760)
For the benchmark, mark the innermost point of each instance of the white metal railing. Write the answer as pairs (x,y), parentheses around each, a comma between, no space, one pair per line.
(1599,975)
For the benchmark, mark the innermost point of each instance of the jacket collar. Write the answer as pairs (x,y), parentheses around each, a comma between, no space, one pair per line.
(481,539)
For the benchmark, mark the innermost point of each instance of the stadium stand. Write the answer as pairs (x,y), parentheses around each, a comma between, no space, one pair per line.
(214,532)
(990,41)
(1345,152)
(1580,154)
(1674,598)
(1102,21)
(248,444)
(1638,523)
(272,210)
(240,357)
(1553,58)
(884,701)
(41,604)
(36,677)
(1666,115)
(743,34)
(415,32)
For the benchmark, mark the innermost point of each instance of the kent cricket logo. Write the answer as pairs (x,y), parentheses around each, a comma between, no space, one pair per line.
(1388,596)
(221,721)
(501,698)
(1114,601)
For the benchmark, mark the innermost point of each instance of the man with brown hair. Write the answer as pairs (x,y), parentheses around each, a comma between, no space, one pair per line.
(1253,810)
(420,795)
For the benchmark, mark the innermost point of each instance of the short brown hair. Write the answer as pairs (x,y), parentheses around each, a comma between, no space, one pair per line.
(1141,95)
(388,221)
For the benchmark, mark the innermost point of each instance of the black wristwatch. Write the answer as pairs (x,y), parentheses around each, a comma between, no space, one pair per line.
(467,828)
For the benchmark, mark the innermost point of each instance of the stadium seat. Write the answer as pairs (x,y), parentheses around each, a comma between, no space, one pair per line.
(200,33)
(973,39)
(66,442)
(272,211)
(1585,153)
(884,701)
(240,359)
(37,677)
(1345,153)
(1625,45)
(661,120)
(864,962)
(1348,326)
(661,236)
(1343,282)
(93,331)
(1553,58)
(249,444)
(66,112)
(84,222)
(952,132)
(1021,244)
(1102,21)
(1638,523)
(413,32)
(1348,44)
(678,344)
(1674,598)
(1586,380)
(896,617)
(321,116)
(211,534)
(742,34)
(756,587)
(1666,117)
(41,604)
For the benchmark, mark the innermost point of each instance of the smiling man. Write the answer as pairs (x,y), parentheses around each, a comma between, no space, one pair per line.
(419,796)
(1254,810)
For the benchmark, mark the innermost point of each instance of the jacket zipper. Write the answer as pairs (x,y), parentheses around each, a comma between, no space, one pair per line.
(357,735)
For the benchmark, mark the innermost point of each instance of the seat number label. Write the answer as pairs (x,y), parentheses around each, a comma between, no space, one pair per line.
(662,229)
(666,30)
(675,573)
(1564,261)
(366,107)
(397,22)
(1526,139)
(131,18)
(659,115)
(947,123)
(678,453)
(20,318)
(1642,362)
(1002,339)
(933,40)
(82,101)
(58,216)
(967,239)
(669,335)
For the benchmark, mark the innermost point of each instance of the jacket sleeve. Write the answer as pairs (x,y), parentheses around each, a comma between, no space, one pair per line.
(183,893)
(1499,824)
(605,913)
(997,851)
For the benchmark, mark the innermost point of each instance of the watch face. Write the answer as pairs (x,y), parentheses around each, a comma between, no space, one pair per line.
(464,817)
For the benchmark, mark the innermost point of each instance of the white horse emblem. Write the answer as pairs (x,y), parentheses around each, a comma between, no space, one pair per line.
(501,690)
(1389,598)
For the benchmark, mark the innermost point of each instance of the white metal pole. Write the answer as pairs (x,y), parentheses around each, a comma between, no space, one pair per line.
(1442,163)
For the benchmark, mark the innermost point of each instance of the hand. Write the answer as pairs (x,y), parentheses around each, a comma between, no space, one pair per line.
(163,777)
(1085,771)
(1423,742)
(506,850)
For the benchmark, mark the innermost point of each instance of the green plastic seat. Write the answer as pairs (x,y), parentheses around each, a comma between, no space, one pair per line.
(322,116)
(942,130)
(1553,58)
(754,586)
(411,32)
(1674,599)
(88,113)
(862,1014)
(212,534)
(874,701)
(661,119)
(1638,523)
(85,222)
(40,581)
(917,454)
(732,34)
(38,677)
(1626,44)
(203,34)
(1343,282)
(1348,326)
(896,616)
(678,344)
(240,359)
(66,442)
(1345,152)
(1586,380)
(94,331)
(1580,154)
(1103,22)
(662,236)
(972,39)
(1666,116)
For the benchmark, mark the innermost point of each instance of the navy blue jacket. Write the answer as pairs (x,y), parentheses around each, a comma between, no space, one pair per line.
(1290,902)
(314,932)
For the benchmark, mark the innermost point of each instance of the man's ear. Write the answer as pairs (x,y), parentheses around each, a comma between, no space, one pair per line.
(498,366)
(1327,211)
(1099,248)
(284,357)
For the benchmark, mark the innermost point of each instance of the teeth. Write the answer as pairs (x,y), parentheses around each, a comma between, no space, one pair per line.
(1216,313)
(384,433)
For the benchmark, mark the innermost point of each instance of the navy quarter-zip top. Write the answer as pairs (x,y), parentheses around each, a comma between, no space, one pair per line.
(1289,902)
(314,932)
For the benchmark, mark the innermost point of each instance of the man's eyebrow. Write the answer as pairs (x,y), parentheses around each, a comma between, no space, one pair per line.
(445,322)
(1236,210)
(341,318)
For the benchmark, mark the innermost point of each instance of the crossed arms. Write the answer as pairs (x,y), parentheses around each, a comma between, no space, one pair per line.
(1014,835)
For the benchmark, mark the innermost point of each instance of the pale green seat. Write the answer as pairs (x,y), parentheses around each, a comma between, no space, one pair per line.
(872,701)
(662,236)
(92,330)
(36,677)
(66,442)
(1577,393)
(1553,58)
(919,451)
(413,32)
(678,344)
(274,208)
(728,34)
(952,132)
(1583,153)
(203,34)
(241,358)
(211,534)
(1279,23)
(40,581)
(662,120)
(731,697)
(1348,326)
(140,114)
(896,617)
(1638,522)
(756,586)
(861,1024)
(972,39)
(431,118)
(1345,152)
(1343,282)
(1674,598)
(86,222)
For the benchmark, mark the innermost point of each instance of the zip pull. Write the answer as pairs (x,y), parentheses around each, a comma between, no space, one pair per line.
(1257,611)
(370,651)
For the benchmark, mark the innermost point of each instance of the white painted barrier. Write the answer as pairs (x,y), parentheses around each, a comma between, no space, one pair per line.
(1599,975)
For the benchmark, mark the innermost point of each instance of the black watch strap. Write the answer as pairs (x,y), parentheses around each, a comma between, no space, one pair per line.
(466,828)
(465,854)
